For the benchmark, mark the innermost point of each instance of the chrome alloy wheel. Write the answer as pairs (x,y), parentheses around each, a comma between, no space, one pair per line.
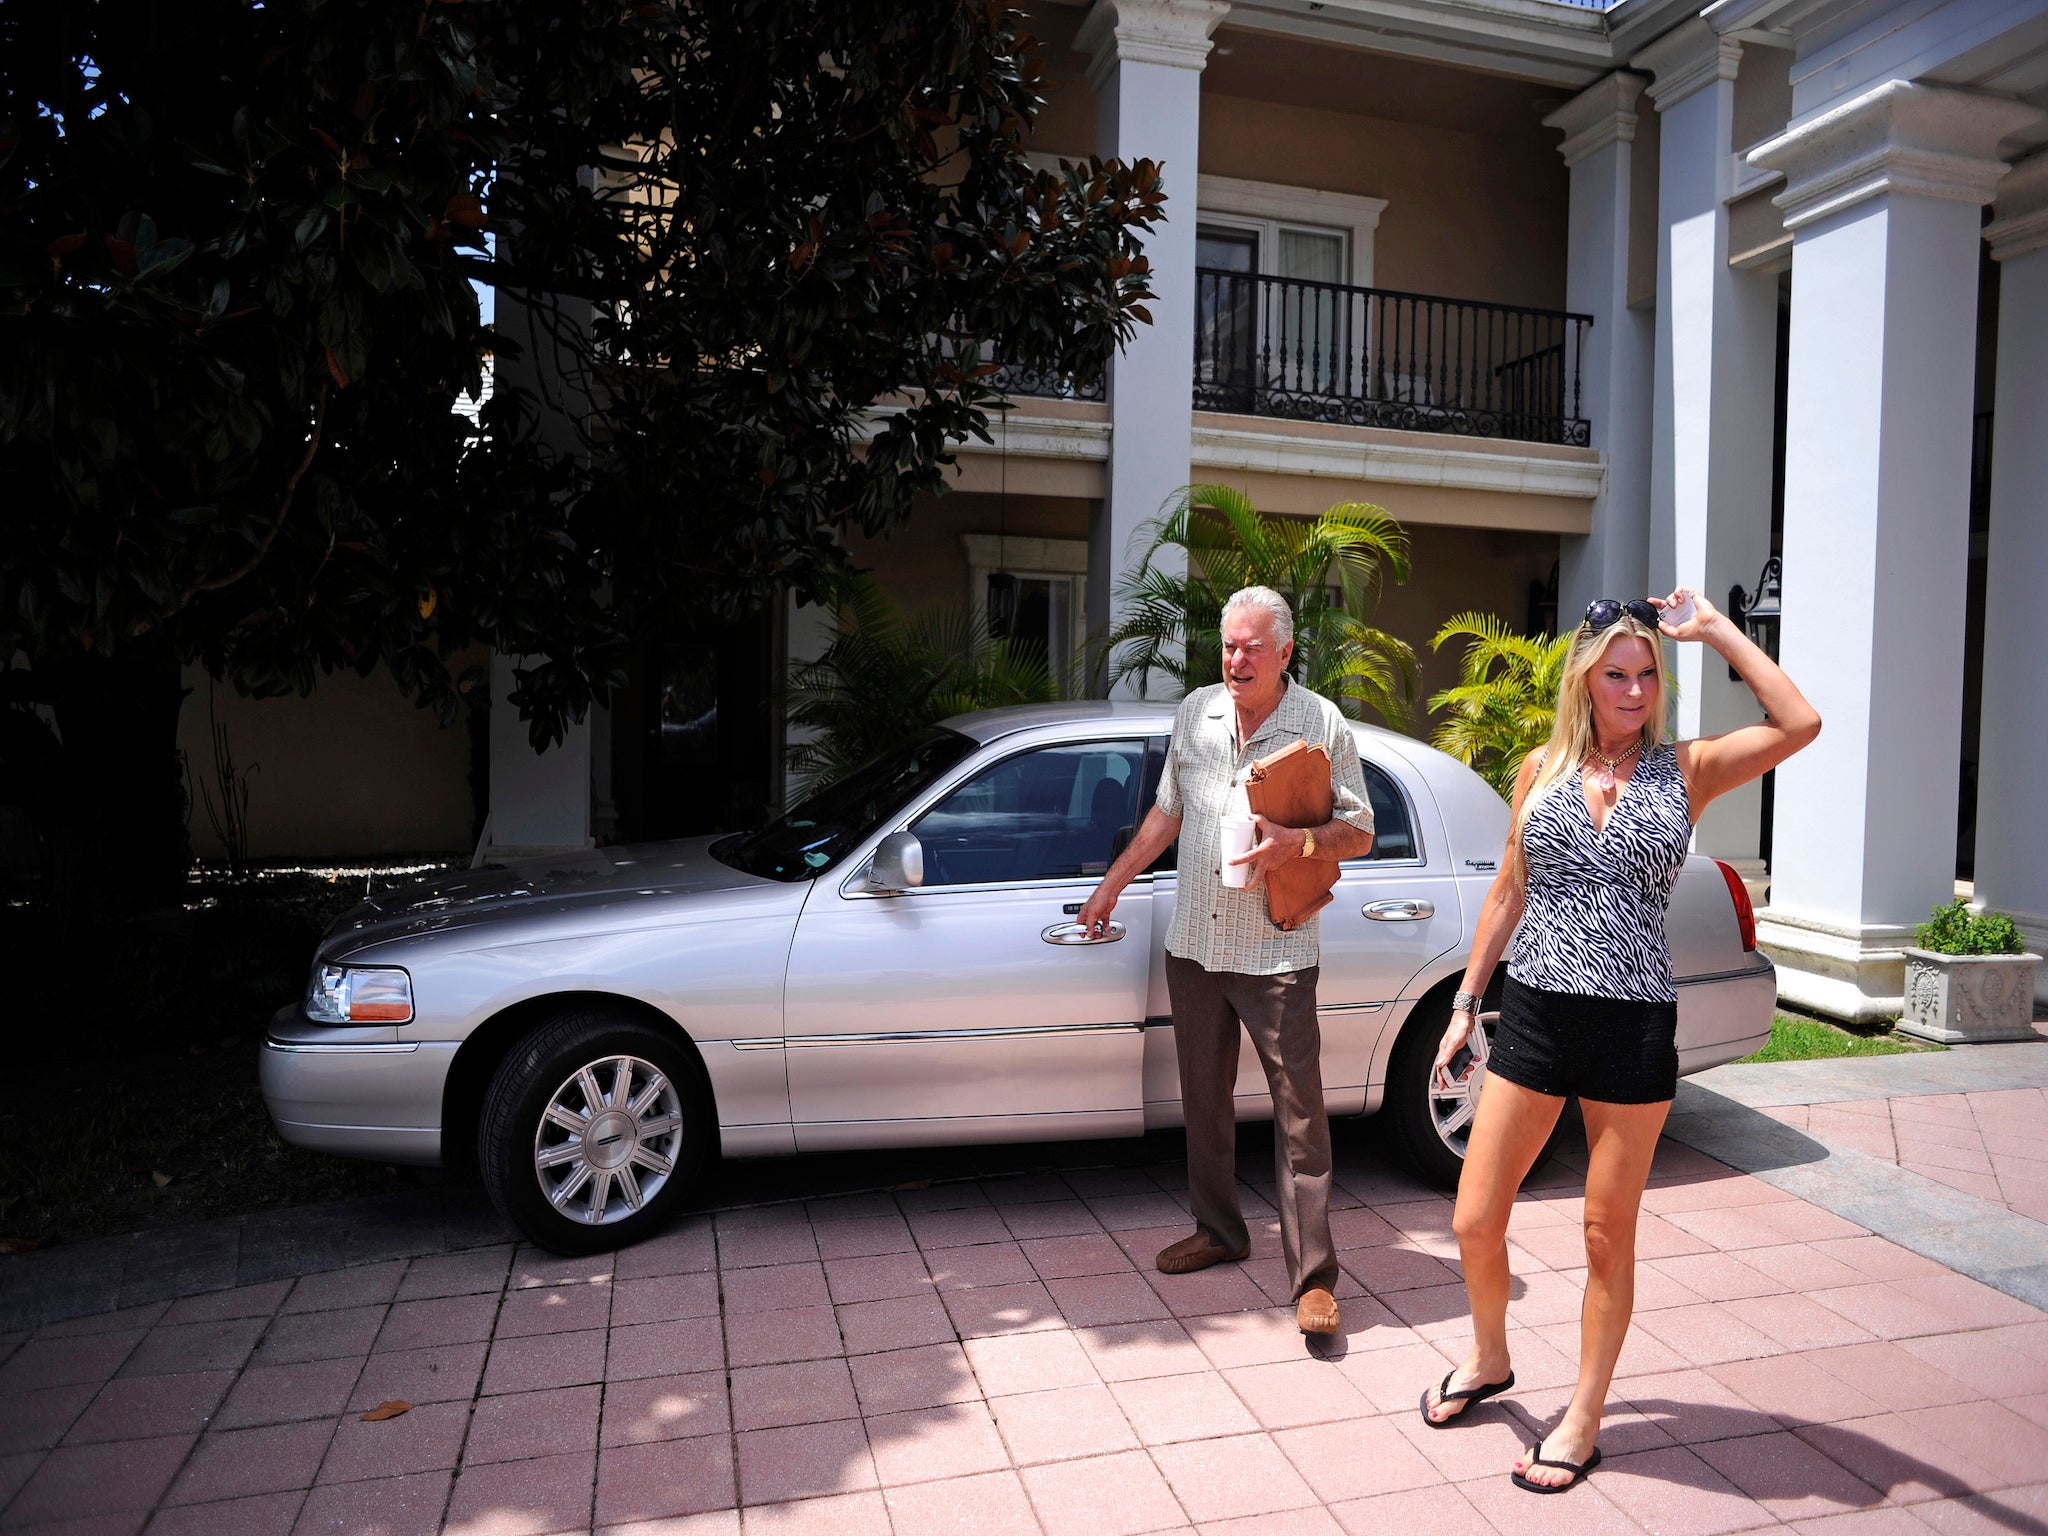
(602,1152)
(1451,1109)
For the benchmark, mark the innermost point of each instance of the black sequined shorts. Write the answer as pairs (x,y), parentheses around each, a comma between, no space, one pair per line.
(1607,1049)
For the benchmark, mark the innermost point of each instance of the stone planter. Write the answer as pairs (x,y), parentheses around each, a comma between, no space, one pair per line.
(1964,999)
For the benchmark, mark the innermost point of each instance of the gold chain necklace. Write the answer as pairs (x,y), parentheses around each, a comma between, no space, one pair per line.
(1605,778)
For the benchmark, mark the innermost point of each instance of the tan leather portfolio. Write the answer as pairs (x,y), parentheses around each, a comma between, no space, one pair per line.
(1292,787)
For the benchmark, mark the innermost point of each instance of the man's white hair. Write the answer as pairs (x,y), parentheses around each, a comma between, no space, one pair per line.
(1271,602)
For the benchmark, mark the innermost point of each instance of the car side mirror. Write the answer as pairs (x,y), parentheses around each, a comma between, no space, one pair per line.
(898,864)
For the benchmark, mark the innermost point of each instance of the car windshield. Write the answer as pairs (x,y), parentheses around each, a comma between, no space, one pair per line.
(817,832)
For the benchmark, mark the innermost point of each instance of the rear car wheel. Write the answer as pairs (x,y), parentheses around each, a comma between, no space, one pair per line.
(594,1131)
(1432,1124)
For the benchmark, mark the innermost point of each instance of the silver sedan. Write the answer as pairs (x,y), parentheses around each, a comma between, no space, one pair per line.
(894,962)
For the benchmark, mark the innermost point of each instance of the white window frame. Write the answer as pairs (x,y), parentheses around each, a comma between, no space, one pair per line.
(1032,558)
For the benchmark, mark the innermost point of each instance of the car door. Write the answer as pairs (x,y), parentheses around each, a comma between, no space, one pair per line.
(972,1007)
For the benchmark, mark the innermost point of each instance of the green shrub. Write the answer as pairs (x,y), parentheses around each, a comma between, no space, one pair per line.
(1955,930)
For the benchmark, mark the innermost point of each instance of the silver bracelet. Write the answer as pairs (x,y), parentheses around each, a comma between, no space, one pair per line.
(1465,1002)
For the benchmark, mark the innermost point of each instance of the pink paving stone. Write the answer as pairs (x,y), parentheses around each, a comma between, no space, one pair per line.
(1878,1258)
(1392,1380)
(1483,1446)
(535,1266)
(360,1285)
(442,1320)
(1133,1351)
(802,1392)
(1719,1276)
(1437,1509)
(1899,1460)
(1706,1335)
(418,1376)
(1800,1267)
(1049,1218)
(1166,1409)
(139,1318)
(549,1309)
(1248,1338)
(1933,1109)
(1062,1425)
(866,1238)
(523,1498)
(139,1407)
(1968,1303)
(931,1443)
(877,1277)
(688,1249)
(1028,1362)
(902,1322)
(456,1274)
(1982,1185)
(241,1301)
(1360,1228)
(553,1360)
(76,1481)
(1393,1267)
(1730,1228)
(1889,1375)
(229,1463)
(222,1346)
(1545,1297)
(960,1228)
(1795,1389)
(844,1514)
(913,1378)
(776,1465)
(664,1298)
(984,1265)
(1115,1495)
(37,1420)
(1692,1407)
(1797,1323)
(1292,1392)
(1063,1258)
(1990,1363)
(261,1514)
(1222,1288)
(963,1506)
(1587,1512)
(1355,1460)
(1224,1479)
(988,1310)
(1122,1213)
(786,1240)
(2009,1447)
(1885,1309)
(1657,1238)
(278,1394)
(666,1349)
(664,1408)
(1674,1493)
(1538,1362)
(1102,1301)
(664,1479)
(388,1506)
(524,1424)
(344,1334)
(768,1338)
(1788,1477)
(425,1440)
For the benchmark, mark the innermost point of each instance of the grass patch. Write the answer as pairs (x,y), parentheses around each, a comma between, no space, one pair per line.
(1797,1039)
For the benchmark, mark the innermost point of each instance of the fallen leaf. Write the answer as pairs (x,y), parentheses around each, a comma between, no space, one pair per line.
(21,1244)
(390,1410)
(160,1176)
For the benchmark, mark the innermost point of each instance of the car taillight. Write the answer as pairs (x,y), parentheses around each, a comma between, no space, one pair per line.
(1745,914)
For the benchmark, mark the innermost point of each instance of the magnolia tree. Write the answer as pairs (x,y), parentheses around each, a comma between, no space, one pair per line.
(239,269)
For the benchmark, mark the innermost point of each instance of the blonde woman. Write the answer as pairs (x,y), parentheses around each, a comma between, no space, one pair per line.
(1603,815)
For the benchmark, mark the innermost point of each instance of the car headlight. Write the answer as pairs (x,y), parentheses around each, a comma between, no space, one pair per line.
(359,994)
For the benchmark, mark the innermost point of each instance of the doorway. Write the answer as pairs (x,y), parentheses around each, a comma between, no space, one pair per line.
(692,745)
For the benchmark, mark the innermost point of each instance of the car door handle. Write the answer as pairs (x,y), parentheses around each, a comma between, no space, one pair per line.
(1077,933)
(1405,909)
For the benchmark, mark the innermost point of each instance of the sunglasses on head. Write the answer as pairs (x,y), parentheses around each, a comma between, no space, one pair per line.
(1604,612)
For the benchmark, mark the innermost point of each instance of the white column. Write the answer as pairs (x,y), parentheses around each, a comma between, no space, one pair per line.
(1145,62)
(1599,125)
(1717,337)
(1882,197)
(2012,752)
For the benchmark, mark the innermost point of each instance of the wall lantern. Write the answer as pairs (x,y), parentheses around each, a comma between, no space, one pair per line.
(1002,603)
(1759,615)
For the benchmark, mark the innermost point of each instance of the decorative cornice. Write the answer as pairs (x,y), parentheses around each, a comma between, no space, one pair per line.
(1603,113)
(1920,140)
(1171,32)
(1022,437)
(2021,223)
(1368,456)
(1688,58)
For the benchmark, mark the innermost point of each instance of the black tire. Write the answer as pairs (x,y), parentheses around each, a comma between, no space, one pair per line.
(1407,1101)
(544,1066)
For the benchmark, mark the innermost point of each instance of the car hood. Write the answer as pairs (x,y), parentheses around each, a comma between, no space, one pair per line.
(674,872)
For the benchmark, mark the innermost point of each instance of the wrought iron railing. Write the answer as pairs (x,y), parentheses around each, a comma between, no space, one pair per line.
(1372,357)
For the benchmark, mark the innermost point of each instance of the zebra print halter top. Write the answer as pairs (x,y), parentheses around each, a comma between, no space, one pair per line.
(1593,915)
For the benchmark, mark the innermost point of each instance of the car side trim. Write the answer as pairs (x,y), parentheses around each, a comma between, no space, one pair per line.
(923,1036)
(338,1048)
(1698,981)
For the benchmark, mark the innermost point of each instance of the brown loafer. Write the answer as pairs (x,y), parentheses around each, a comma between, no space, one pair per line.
(1193,1253)
(1316,1312)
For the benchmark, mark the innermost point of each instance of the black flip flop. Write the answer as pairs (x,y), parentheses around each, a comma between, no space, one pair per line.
(1469,1396)
(1577,1469)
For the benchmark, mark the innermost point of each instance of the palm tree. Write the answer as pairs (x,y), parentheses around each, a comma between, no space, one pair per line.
(1506,698)
(1172,622)
(885,677)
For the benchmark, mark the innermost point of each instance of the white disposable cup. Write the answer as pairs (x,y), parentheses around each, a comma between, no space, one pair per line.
(1238,836)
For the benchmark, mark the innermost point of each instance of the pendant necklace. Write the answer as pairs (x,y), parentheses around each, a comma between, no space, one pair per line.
(1605,778)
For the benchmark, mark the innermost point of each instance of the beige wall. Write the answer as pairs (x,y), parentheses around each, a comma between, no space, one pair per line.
(355,769)
(922,563)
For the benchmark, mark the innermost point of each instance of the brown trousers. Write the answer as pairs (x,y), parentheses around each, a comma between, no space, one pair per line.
(1280,1013)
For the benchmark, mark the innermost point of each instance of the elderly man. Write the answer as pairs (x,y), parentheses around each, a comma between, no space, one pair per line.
(1226,961)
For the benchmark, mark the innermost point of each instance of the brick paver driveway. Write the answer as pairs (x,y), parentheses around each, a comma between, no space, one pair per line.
(998,1355)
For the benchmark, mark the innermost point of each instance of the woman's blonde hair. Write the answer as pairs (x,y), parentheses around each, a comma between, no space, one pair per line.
(1571,732)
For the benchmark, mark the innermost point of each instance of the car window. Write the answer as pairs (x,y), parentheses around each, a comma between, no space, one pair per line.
(1392,835)
(1051,814)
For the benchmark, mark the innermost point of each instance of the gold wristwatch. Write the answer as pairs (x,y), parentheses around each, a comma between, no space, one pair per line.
(1308,843)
